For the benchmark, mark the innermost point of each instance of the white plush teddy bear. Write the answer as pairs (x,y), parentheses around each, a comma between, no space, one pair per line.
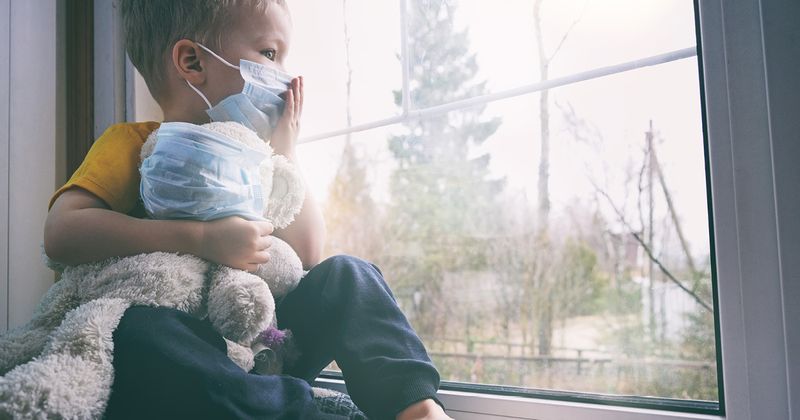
(241,307)
(239,304)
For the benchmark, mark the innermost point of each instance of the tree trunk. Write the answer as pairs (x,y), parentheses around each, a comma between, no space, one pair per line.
(545,327)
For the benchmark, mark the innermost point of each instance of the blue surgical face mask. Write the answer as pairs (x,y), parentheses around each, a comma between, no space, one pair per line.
(195,173)
(259,106)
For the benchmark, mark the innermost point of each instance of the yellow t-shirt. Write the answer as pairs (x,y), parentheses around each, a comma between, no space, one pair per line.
(111,168)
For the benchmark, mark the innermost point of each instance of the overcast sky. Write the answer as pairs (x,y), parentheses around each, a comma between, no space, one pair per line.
(501,32)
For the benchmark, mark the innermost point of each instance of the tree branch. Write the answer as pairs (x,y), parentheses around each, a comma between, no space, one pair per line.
(674,214)
(566,34)
(652,257)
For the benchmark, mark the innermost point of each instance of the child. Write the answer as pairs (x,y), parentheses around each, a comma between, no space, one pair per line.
(170,365)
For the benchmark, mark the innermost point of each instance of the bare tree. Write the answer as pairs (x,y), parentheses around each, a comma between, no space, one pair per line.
(651,256)
(543,279)
(648,170)
(649,164)
(350,212)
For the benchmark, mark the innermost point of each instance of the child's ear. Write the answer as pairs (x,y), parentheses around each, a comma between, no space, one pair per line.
(188,62)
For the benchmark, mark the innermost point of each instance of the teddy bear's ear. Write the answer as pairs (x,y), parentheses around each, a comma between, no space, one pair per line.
(288,193)
(148,146)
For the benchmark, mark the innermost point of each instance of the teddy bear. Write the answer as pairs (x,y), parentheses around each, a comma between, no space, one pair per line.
(241,306)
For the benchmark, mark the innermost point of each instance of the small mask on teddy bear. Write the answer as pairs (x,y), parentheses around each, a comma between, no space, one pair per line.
(211,171)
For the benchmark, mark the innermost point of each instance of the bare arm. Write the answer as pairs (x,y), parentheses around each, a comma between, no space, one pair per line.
(81,228)
(306,235)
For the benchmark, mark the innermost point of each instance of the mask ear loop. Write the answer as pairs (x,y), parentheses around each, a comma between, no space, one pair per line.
(218,58)
(199,93)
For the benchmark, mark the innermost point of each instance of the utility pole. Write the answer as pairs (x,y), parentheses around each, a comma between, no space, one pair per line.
(650,272)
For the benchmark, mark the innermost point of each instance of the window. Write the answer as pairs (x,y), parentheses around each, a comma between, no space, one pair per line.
(605,87)
(539,208)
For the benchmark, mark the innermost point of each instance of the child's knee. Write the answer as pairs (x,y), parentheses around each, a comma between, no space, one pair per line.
(352,272)
(344,262)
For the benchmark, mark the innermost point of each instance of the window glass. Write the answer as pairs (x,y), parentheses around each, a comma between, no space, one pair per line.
(554,240)
(365,61)
(501,39)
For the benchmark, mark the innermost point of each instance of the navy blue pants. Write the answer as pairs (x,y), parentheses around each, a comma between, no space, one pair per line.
(168,364)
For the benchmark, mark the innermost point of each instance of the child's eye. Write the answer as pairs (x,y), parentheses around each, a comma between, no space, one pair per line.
(270,54)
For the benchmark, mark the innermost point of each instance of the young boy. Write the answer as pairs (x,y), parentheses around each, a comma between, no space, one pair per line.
(170,365)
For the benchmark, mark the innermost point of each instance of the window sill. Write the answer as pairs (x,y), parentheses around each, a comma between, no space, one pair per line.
(475,406)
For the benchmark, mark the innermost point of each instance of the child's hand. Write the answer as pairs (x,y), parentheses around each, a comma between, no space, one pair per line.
(236,242)
(285,135)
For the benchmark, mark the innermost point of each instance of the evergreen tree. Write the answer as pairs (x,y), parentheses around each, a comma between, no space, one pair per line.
(441,193)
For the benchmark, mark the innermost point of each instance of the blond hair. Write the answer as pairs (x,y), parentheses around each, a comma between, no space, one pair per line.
(152,27)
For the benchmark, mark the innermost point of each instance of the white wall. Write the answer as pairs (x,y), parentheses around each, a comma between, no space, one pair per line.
(140,104)
(28,138)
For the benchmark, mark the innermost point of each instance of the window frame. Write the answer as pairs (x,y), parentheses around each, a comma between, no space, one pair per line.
(79,80)
(5,106)
(741,117)
(482,406)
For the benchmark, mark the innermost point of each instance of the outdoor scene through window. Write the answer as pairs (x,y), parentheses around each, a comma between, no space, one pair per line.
(556,239)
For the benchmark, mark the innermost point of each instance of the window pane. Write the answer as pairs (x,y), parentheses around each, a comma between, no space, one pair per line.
(557,240)
(319,52)
(501,39)
(506,291)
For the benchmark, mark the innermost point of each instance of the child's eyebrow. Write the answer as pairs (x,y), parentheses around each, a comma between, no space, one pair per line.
(271,38)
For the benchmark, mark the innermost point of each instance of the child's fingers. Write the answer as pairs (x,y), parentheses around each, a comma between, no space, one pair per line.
(261,257)
(263,243)
(264,228)
(253,267)
(300,98)
(293,91)
(288,110)
(296,94)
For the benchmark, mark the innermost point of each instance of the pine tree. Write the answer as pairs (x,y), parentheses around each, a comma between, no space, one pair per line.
(441,193)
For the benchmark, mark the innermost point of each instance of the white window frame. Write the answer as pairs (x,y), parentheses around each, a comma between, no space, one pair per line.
(748,119)
(5,104)
(746,66)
